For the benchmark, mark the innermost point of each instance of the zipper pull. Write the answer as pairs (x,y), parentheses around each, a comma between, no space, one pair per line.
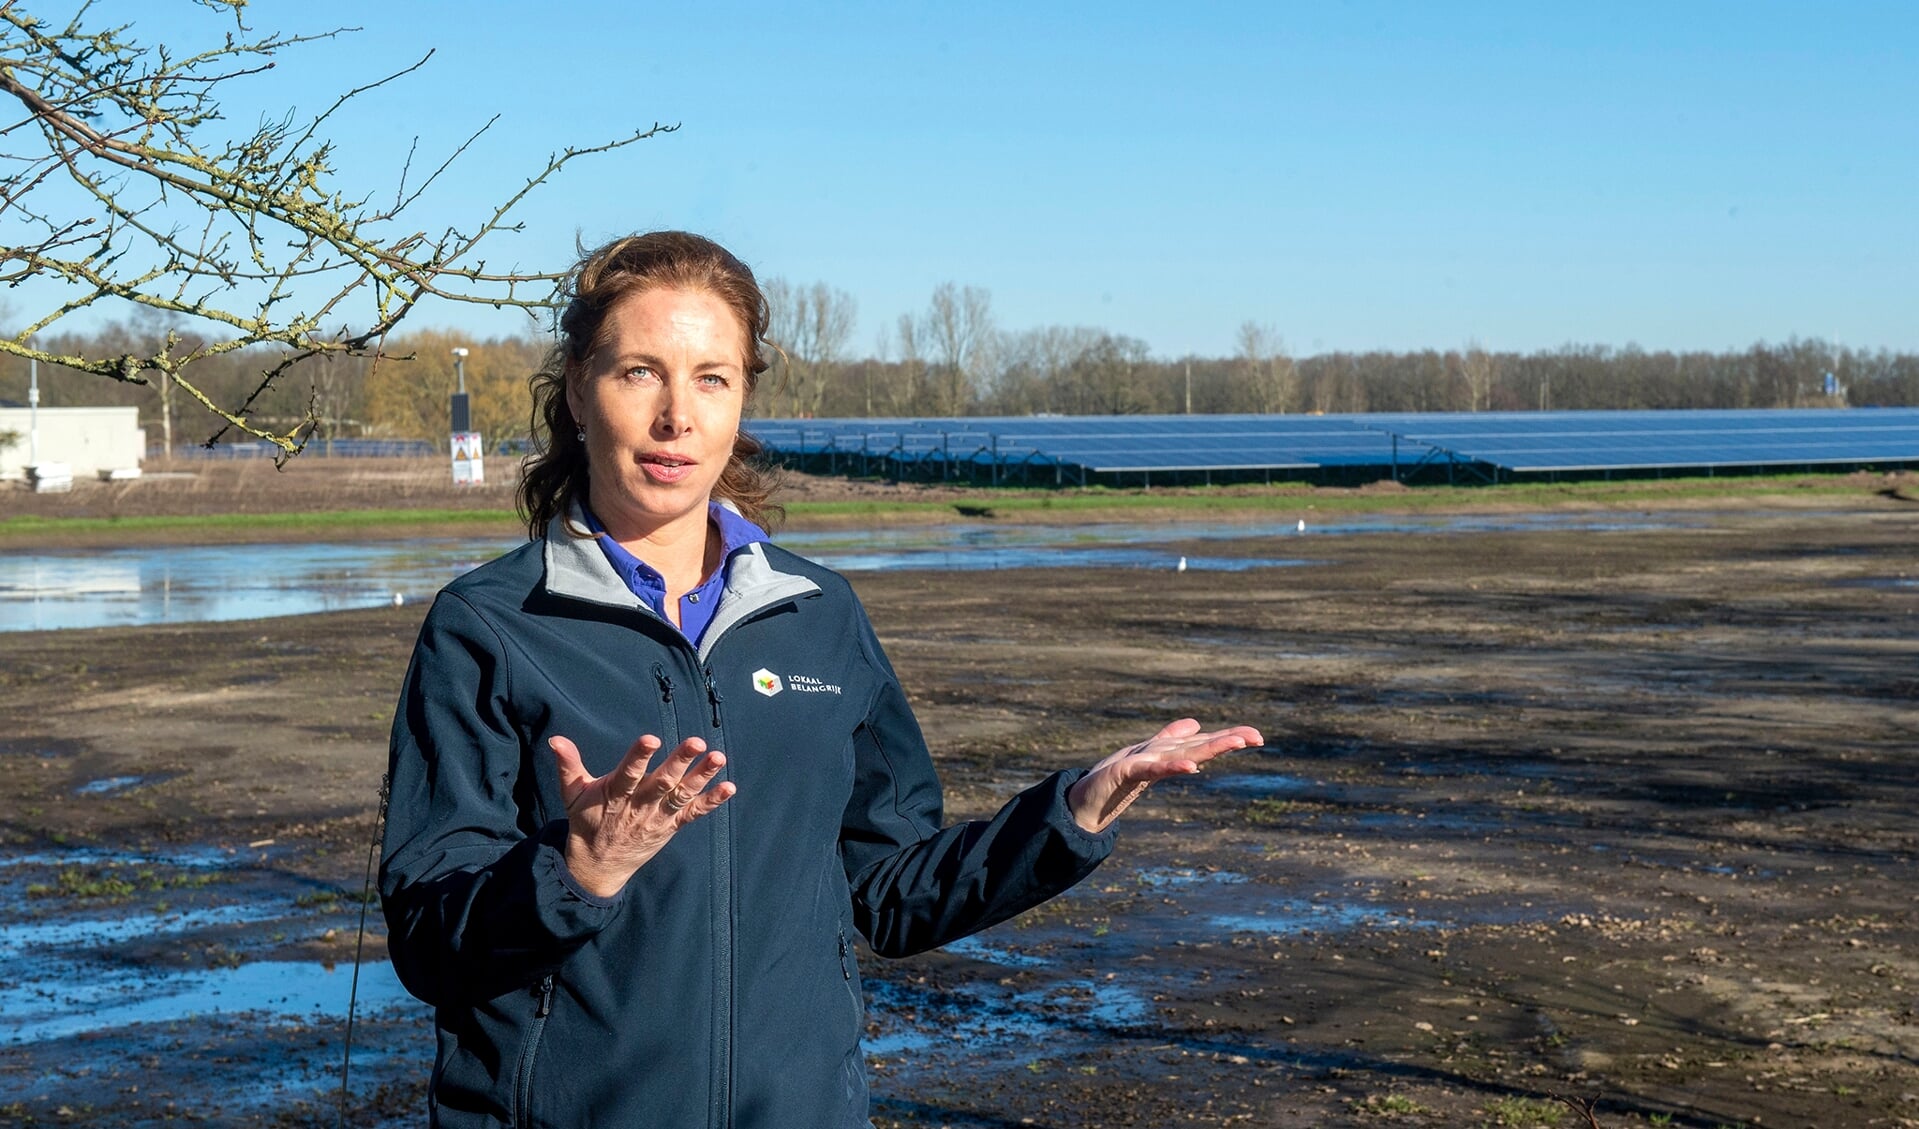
(666,684)
(846,967)
(546,999)
(713,695)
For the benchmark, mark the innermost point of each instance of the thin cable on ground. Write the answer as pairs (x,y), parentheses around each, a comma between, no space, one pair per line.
(359,947)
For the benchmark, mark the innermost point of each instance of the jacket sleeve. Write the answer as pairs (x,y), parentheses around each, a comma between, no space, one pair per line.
(475,890)
(916,885)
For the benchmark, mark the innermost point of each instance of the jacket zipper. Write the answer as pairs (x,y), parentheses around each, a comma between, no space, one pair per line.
(846,974)
(724,940)
(523,1092)
(669,721)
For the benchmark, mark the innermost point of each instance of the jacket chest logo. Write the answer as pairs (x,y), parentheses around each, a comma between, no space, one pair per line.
(767,683)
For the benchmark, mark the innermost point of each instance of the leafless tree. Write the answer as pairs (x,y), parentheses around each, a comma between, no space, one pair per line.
(957,329)
(905,394)
(1481,370)
(811,325)
(1032,368)
(1270,374)
(121,184)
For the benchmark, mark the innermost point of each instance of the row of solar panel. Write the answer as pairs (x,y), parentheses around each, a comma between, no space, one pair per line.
(1514,441)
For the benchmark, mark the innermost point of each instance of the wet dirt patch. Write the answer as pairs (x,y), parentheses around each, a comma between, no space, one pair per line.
(112,960)
(1620,814)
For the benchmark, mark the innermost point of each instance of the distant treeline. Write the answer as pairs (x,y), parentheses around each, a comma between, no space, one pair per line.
(951,360)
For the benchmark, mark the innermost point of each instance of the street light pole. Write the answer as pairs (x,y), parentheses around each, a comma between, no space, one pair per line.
(33,411)
(462,420)
(469,465)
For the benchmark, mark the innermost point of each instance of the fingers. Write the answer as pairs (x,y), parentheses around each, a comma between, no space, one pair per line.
(696,778)
(674,783)
(1178,750)
(669,779)
(1184,727)
(1182,740)
(707,801)
(690,797)
(573,775)
(1205,746)
(675,766)
(625,778)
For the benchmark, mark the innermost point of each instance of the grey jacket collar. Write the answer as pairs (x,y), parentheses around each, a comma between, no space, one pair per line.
(578,570)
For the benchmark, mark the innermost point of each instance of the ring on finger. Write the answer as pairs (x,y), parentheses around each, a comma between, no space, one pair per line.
(675,798)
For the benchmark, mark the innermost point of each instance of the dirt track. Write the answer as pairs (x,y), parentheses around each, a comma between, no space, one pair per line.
(1623,814)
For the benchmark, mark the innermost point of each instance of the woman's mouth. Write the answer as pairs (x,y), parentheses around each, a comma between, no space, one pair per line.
(666,469)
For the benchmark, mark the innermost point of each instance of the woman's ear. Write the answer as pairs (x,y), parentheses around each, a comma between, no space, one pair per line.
(570,381)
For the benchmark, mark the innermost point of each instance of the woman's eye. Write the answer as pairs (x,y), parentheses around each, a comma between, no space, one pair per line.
(639,372)
(713,379)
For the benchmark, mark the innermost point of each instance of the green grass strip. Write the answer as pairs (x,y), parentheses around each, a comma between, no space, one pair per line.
(1009,500)
(1031,501)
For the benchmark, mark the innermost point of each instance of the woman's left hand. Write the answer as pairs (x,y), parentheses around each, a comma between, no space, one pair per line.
(1177,750)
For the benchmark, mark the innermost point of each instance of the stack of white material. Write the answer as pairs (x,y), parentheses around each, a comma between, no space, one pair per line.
(50,478)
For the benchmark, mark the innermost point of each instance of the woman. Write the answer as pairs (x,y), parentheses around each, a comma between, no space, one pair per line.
(617,923)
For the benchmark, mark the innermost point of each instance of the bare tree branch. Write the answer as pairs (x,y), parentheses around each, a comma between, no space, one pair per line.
(119,189)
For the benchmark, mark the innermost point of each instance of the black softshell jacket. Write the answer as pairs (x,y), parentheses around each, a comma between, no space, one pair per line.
(718,988)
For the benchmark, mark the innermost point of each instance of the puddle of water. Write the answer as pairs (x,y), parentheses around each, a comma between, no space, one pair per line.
(193,858)
(973,1017)
(188,584)
(99,999)
(183,584)
(979,560)
(1424,821)
(975,949)
(1294,916)
(1895,582)
(110,784)
(66,932)
(1257,785)
(1103,1003)
(60,973)
(171,584)
(963,1019)
(1179,878)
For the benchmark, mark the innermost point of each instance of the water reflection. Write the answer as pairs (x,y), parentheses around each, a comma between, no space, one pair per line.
(183,584)
(175,584)
(98,998)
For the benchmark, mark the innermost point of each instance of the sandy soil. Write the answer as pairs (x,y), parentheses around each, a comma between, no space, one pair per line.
(1624,816)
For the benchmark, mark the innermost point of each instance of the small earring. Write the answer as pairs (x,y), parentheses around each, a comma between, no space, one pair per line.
(580,434)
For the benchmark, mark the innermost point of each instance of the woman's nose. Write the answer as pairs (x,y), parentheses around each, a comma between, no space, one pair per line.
(672,418)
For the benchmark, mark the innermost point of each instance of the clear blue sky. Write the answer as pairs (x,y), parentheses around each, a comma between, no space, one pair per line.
(1357,175)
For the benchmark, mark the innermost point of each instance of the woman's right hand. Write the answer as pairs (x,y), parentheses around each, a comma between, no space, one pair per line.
(617,822)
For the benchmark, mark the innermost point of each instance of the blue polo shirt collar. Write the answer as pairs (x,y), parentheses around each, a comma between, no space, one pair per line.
(696,607)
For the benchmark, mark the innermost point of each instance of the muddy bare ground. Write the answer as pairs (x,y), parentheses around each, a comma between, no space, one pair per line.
(1627,816)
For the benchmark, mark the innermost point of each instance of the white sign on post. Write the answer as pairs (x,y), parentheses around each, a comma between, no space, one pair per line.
(469,460)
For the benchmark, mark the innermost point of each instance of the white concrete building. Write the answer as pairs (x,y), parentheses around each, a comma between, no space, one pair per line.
(89,440)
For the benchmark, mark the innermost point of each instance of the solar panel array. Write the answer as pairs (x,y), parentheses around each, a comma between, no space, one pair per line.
(1515,442)
(1574,441)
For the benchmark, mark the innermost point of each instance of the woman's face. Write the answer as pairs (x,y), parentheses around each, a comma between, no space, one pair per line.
(660,398)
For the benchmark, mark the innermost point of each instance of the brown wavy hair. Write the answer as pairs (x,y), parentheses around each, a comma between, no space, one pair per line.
(554,473)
